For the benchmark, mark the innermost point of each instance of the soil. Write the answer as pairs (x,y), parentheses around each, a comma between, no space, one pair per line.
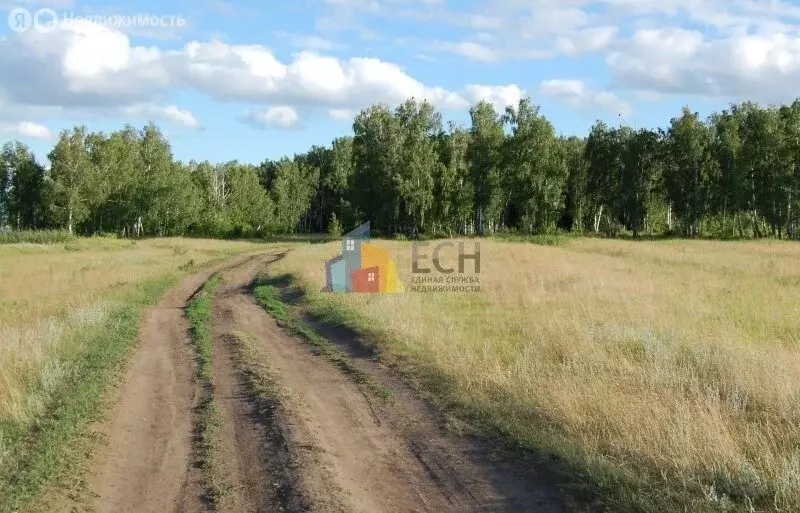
(326,445)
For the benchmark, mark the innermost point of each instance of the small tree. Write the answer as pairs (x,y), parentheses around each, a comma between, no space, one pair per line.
(334,226)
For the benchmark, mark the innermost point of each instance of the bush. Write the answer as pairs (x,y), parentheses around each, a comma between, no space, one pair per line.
(35,236)
(334,226)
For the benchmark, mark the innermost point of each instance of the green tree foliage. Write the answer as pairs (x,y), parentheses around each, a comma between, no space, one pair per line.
(453,193)
(418,161)
(293,191)
(790,164)
(375,184)
(734,174)
(484,155)
(575,196)
(689,169)
(729,187)
(70,173)
(334,226)
(536,172)
(248,205)
(603,155)
(639,173)
(22,188)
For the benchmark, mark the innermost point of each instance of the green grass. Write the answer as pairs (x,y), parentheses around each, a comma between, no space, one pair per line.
(545,239)
(199,314)
(35,236)
(47,452)
(209,420)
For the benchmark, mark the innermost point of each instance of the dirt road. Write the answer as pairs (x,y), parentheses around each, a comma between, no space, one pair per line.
(327,447)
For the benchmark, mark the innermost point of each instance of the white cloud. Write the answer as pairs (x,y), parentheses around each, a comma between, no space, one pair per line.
(86,67)
(722,49)
(27,129)
(470,50)
(760,67)
(499,96)
(170,113)
(578,95)
(283,116)
(588,40)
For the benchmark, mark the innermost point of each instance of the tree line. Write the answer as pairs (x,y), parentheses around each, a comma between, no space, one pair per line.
(733,174)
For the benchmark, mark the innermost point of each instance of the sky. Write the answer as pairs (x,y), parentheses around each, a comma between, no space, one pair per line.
(250,80)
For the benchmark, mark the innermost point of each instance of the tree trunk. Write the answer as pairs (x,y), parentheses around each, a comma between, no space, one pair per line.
(669,216)
(597,217)
(724,214)
(69,221)
(756,229)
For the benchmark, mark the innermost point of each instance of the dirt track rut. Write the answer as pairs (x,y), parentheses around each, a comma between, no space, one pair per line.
(330,448)
(146,465)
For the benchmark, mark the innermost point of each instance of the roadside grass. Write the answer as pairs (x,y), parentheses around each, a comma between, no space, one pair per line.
(209,420)
(34,456)
(68,321)
(48,292)
(662,373)
(289,318)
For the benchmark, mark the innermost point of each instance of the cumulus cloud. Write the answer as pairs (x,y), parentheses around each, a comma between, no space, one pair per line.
(499,97)
(170,113)
(282,116)
(471,50)
(84,66)
(588,40)
(761,67)
(722,49)
(578,95)
(27,129)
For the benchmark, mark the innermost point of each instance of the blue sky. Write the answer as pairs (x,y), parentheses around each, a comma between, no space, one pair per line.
(248,80)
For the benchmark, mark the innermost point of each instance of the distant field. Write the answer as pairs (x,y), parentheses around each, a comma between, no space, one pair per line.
(49,292)
(664,372)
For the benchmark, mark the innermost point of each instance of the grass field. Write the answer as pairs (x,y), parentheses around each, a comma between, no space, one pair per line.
(47,291)
(69,315)
(664,373)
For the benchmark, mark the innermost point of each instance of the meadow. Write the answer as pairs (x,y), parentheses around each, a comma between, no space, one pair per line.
(663,373)
(49,293)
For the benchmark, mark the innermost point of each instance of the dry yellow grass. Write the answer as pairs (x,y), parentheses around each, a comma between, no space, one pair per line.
(666,371)
(47,292)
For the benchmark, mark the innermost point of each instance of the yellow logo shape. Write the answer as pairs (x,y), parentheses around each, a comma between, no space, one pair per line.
(376,256)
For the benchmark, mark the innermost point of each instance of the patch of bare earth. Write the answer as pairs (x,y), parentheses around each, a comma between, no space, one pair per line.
(147,462)
(251,451)
(322,444)
(350,452)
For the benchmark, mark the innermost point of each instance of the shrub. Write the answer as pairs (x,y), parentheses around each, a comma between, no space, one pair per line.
(35,236)
(334,226)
